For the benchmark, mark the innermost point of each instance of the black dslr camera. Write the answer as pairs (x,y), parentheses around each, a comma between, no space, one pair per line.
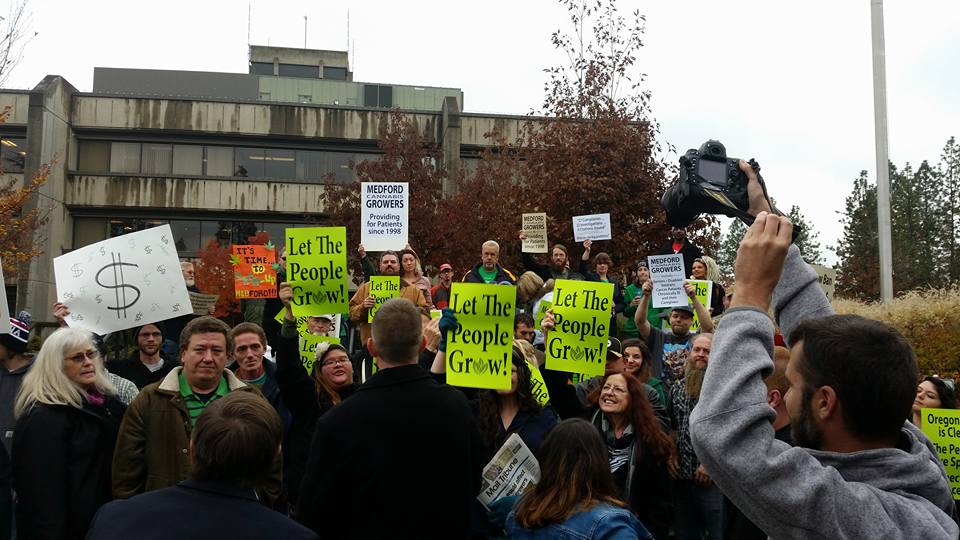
(710,183)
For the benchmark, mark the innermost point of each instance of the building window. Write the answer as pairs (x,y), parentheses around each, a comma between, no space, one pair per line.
(304,72)
(377,95)
(125,157)
(188,159)
(279,163)
(249,163)
(156,158)
(335,73)
(305,98)
(94,156)
(219,161)
(261,68)
(264,96)
(14,151)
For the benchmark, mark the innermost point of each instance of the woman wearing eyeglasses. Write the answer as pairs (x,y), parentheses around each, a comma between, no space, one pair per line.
(308,395)
(67,423)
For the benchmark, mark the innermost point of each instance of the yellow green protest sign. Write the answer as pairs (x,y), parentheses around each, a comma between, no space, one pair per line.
(308,349)
(317,269)
(581,310)
(479,351)
(942,427)
(538,387)
(382,288)
(301,322)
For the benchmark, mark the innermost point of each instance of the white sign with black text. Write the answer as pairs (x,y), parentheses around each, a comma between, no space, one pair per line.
(384,211)
(667,275)
(593,227)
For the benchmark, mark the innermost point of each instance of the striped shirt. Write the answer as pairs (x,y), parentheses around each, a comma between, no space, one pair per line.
(195,404)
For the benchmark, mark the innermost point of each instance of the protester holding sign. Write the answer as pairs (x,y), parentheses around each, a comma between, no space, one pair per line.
(558,267)
(576,494)
(670,348)
(68,418)
(602,264)
(933,393)
(705,268)
(307,396)
(363,301)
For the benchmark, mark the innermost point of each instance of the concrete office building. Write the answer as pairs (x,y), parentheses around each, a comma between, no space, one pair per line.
(215,155)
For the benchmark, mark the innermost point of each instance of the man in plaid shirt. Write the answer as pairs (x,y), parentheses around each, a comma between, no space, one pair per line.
(698,502)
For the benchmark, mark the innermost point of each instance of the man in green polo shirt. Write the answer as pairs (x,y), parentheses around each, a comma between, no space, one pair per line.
(153,444)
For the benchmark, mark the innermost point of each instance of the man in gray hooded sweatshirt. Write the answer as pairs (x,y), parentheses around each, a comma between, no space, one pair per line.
(859,469)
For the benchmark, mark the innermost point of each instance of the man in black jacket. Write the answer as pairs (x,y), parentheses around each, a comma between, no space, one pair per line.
(232,449)
(401,457)
(489,269)
(679,243)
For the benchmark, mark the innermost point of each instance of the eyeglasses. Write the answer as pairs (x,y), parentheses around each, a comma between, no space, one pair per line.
(80,357)
(337,362)
(612,388)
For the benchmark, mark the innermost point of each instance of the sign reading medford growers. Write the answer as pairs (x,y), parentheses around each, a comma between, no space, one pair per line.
(317,269)
(479,351)
(581,311)
(535,233)
(384,215)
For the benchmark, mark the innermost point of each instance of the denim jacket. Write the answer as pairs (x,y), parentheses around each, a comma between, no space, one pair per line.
(601,522)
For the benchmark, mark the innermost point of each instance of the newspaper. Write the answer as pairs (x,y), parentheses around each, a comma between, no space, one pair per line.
(510,472)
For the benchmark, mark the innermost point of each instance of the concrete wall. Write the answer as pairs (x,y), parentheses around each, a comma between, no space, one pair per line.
(473,127)
(98,112)
(18,103)
(236,197)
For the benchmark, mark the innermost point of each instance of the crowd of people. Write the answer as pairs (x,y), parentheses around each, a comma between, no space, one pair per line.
(797,426)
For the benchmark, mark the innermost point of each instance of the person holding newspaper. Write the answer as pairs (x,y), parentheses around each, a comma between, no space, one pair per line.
(577,496)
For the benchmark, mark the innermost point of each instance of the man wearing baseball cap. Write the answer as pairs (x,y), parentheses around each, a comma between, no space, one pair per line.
(441,292)
(670,348)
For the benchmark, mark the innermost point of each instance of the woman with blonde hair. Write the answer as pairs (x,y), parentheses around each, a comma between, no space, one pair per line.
(68,418)
(412,273)
(705,268)
(529,285)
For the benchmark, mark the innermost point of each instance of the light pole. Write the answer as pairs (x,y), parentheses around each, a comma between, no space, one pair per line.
(882,149)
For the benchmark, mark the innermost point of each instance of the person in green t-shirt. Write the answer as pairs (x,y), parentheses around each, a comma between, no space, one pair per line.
(489,269)
(632,296)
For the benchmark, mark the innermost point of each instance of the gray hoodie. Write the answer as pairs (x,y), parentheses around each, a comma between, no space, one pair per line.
(796,492)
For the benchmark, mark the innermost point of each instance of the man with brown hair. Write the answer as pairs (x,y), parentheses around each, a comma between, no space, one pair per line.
(362,301)
(153,443)
(250,366)
(402,440)
(232,450)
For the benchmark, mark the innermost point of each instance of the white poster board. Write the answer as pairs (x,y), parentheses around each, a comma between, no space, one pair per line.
(534,228)
(4,308)
(592,227)
(828,279)
(122,282)
(667,274)
(384,212)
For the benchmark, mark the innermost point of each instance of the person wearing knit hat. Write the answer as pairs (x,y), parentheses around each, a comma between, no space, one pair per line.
(15,364)
(147,364)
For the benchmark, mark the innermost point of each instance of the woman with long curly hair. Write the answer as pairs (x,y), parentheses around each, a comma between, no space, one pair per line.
(577,496)
(308,395)
(640,453)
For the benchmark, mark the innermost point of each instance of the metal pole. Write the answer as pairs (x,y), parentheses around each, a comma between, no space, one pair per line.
(882,148)
(304,31)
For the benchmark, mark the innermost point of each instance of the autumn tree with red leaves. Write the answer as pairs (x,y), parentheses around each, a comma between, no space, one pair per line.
(407,157)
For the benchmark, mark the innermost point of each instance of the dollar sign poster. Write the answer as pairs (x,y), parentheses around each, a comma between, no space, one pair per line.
(254,271)
(122,282)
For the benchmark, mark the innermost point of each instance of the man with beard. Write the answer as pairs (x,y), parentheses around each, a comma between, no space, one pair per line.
(362,301)
(859,469)
(559,267)
(671,348)
(679,243)
(698,503)
(148,364)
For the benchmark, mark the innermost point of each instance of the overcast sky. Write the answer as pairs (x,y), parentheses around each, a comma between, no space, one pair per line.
(789,84)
